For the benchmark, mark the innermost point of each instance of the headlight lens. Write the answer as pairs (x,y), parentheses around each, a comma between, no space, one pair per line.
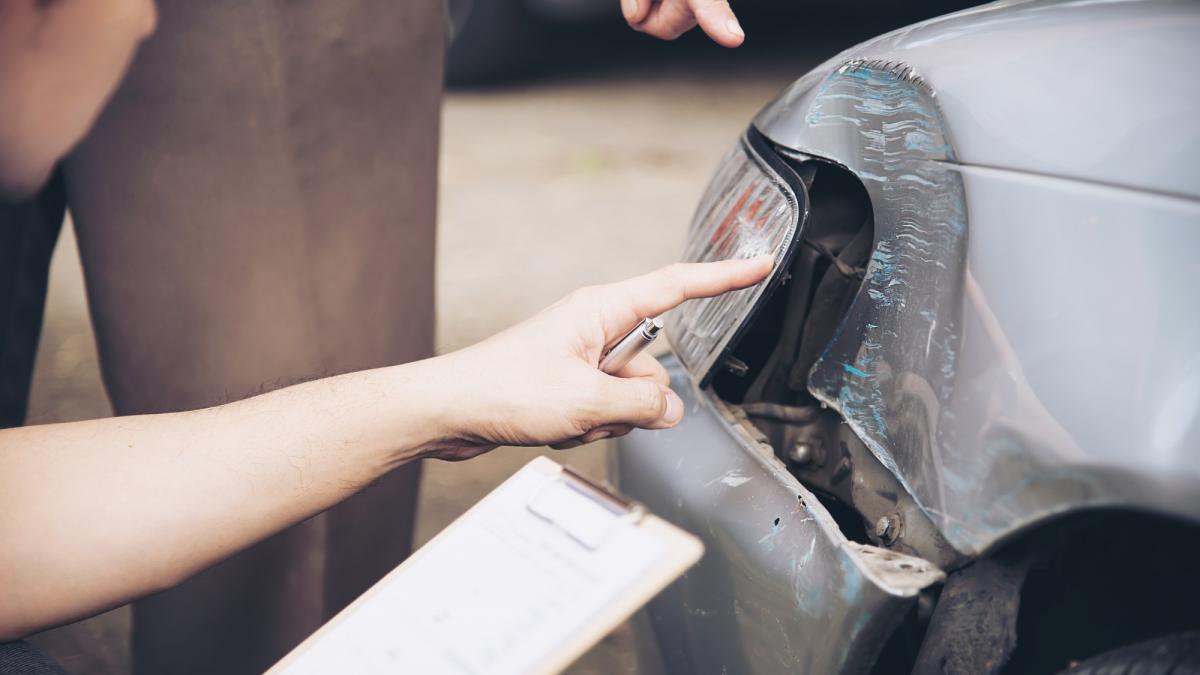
(750,208)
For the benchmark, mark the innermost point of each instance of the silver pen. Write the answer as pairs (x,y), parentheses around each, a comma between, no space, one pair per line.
(631,345)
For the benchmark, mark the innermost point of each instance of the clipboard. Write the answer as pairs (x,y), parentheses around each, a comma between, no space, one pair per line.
(526,581)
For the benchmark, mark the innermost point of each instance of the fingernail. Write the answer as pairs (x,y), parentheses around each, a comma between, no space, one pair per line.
(600,436)
(731,25)
(674,411)
(630,7)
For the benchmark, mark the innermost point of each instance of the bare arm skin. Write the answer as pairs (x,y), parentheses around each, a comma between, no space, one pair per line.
(94,514)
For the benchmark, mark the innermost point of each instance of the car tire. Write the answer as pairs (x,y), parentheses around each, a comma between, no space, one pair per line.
(497,39)
(1176,654)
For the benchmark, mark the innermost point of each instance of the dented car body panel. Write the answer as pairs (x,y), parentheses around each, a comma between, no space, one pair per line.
(1005,309)
(1026,340)
(777,574)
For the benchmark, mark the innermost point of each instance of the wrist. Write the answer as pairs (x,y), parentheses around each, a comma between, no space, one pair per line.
(435,405)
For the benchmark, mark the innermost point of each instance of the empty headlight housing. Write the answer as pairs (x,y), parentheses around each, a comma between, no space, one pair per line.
(754,205)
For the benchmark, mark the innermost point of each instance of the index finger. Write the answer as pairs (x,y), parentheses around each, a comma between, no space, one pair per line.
(665,288)
(635,11)
(717,20)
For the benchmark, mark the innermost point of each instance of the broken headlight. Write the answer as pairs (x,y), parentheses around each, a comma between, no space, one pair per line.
(753,206)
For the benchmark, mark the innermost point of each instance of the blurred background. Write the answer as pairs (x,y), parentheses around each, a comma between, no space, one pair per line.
(573,152)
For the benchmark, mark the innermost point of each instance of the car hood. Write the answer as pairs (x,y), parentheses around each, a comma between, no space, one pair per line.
(1103,92)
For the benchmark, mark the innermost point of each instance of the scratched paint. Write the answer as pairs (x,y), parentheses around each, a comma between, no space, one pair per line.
(731,479)
(979,453)
(810,595)
(902,331)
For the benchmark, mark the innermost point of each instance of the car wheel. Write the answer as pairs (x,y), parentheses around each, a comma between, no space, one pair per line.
(496,38)
(1176,654)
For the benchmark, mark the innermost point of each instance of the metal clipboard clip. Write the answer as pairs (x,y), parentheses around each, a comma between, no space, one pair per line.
(584,510)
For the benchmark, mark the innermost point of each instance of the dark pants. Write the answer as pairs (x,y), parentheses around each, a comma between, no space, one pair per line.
(255,207)
(21,658)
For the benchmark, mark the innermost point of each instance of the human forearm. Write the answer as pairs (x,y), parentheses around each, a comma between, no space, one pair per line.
(95,513)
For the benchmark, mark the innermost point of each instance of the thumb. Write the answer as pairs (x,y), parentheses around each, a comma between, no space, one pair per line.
(638,402)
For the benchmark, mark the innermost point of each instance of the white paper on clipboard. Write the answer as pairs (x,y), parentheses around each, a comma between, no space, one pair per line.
(525,582)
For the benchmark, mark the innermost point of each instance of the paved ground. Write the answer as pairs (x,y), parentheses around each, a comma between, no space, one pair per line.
(584,174)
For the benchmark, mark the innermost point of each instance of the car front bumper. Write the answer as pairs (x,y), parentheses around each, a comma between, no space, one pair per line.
(779,588)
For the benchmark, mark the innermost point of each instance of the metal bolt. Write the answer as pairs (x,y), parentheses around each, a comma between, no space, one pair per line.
(803,453)
(887,528)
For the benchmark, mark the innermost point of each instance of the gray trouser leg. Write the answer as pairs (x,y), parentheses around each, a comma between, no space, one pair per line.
(256,207)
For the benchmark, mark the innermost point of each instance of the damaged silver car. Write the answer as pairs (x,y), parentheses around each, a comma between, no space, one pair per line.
(958,431)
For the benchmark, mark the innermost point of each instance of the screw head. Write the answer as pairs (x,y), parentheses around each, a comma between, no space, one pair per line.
(887,528)
(802,453)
